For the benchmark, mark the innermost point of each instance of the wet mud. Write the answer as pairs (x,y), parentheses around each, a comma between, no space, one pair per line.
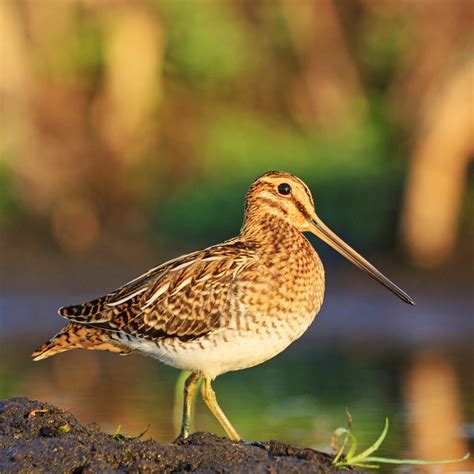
(36,437)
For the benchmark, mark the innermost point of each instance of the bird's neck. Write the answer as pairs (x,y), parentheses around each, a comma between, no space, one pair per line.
(269,229)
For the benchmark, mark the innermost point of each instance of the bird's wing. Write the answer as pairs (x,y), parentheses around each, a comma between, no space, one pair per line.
(184,298)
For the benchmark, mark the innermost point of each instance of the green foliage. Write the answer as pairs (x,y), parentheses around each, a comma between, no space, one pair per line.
(346,455)
(8,205)
(206,42)
(234,82)
(85,47)
(380,48)
(66,428)
(116,434)
(355,185)
(80,51)
(121,437)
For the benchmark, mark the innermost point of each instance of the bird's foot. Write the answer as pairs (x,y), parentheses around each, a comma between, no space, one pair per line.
(181,437)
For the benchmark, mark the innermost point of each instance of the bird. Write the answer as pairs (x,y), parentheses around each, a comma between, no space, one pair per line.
(228,307)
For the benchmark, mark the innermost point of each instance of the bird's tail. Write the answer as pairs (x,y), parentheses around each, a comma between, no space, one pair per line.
(78,336)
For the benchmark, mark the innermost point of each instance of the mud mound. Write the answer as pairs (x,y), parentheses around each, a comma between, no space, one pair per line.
(36,437)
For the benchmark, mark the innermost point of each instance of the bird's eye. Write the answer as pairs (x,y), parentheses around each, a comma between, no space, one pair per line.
(284,188)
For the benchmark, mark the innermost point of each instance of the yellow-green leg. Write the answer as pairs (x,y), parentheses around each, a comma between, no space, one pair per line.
(209,397)
(189,389)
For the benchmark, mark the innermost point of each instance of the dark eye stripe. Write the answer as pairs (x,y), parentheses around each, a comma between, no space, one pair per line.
(302,209)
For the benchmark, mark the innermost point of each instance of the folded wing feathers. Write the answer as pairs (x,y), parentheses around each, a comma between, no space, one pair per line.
(137,307)
(156,295)
(127,297)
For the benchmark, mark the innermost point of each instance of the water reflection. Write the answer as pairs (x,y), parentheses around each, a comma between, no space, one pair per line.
(299,397)
(434,401)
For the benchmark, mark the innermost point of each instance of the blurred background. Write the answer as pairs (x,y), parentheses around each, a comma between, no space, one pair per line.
(130,132)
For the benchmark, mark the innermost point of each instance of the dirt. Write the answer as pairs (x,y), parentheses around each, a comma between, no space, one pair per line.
(36,437)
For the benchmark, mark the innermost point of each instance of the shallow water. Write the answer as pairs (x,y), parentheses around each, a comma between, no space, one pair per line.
(366,353)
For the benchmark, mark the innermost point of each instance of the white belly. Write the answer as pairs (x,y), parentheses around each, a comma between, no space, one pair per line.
(221,352)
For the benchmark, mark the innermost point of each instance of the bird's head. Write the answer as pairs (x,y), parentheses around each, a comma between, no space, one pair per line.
(283,195)
(288,198)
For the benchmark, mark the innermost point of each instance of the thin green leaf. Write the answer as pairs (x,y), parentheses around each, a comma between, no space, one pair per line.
(344,464)
(349,418)
(340,432)
(415,461)
(374,447)
(117,431)
(353,447)
(366,466)
(364,460)
(144,431)
(347,431)
(339,453)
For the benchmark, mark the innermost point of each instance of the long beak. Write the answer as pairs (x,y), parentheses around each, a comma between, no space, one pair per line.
(327,235)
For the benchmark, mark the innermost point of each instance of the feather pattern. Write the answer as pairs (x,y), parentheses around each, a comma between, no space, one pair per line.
(183,298)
